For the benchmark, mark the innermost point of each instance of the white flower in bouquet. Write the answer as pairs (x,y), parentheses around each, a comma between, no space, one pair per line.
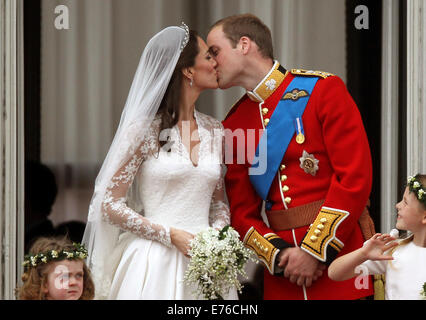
(217,258)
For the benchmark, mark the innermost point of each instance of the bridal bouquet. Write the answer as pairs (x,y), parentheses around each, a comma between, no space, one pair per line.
(423,292)
(217,258)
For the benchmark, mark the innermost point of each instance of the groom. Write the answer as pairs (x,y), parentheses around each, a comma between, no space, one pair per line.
(318,176)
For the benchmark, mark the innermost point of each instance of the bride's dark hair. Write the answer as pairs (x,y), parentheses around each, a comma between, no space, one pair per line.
(169,107)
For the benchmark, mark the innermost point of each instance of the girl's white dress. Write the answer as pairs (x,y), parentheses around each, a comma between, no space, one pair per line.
(405,275)
(175,193)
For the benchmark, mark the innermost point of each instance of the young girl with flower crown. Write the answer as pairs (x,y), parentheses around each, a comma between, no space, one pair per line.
(55,270)
(403,262)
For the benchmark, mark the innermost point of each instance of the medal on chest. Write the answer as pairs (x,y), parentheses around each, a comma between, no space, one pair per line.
(308,163)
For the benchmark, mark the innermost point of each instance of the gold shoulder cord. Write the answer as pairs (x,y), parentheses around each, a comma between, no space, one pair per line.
(303,72)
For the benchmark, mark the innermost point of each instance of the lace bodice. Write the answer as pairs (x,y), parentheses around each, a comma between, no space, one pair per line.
(173,191)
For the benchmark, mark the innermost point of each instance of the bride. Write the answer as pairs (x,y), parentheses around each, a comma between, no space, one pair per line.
(161,181)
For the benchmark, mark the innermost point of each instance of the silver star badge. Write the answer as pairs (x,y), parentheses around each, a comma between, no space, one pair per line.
(308,163)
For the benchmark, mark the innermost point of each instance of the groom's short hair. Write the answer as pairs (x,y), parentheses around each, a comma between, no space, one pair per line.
(247,25)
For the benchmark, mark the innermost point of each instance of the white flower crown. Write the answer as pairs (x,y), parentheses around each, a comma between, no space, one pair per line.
(415,186)
(79,252)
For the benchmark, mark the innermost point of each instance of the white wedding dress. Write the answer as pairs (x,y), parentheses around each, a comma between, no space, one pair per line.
(175,193)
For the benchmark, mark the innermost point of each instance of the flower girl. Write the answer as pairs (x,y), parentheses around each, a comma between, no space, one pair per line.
(55,270)
(403,261)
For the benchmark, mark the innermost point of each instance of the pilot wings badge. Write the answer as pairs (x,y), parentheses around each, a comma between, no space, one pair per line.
(295,94)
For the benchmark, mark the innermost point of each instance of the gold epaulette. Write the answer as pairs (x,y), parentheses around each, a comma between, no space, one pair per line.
(302,72)
(265,251)
(322,233)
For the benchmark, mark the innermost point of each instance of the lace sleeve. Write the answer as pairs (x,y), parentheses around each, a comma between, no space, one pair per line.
(219,216)
(116,211)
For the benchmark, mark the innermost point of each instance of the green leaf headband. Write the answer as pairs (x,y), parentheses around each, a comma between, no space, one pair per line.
(79,252)
(415,186)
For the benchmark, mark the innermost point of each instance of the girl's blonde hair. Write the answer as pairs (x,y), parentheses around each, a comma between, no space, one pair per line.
(35,278)
(402,242)
(422,179)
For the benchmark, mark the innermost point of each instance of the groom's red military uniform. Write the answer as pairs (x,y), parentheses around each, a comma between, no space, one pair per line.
(320,190)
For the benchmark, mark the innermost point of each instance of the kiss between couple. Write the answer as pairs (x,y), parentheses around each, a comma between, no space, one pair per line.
(153,195)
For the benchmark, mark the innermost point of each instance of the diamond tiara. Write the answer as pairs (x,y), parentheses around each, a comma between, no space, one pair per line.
(186,39)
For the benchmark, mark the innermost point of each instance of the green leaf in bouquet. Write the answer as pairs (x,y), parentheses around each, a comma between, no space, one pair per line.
(222,233)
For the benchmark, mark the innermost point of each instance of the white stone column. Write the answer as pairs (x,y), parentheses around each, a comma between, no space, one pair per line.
(11,145)
(389,110)
(416,85)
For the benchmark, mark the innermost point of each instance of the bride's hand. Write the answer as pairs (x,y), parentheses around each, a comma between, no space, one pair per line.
(181,239)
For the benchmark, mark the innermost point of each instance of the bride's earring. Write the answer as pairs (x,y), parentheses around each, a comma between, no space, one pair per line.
(191,83)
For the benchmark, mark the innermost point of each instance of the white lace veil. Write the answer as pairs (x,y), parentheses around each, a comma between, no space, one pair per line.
(150,82)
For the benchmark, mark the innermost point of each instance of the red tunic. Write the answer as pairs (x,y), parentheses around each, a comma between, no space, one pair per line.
(334,135)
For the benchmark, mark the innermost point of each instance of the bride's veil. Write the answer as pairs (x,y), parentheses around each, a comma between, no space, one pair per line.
(150,82)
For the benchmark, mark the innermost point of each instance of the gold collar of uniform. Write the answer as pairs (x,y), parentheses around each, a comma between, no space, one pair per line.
(268,85)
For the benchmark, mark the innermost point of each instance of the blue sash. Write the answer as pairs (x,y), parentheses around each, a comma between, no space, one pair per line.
(279,132)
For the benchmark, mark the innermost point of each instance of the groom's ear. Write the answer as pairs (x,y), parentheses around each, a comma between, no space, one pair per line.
(245,44)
